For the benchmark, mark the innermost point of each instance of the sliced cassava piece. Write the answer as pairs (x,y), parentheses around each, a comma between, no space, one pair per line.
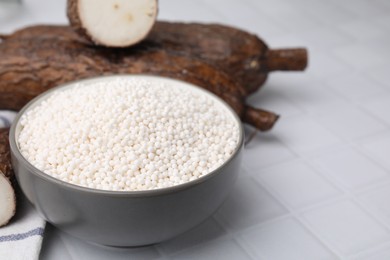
(113,23)
(32,65)
(7,192)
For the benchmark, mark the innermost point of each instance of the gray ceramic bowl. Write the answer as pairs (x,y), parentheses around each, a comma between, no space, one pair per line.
(123,218)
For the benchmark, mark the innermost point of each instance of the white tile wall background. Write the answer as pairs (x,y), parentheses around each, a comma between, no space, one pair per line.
(318,185)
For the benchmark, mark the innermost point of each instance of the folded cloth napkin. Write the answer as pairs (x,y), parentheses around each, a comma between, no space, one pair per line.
(22,237)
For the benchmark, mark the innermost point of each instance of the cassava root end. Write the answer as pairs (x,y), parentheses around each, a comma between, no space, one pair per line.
(113,23)
(286,59)
(261,119)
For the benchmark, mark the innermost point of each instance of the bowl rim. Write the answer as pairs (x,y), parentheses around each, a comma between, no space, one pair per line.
(14,147)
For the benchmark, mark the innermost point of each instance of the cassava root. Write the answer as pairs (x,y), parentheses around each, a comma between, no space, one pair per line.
(242,55)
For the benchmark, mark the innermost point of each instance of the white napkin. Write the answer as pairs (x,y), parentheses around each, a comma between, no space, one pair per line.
(22,237)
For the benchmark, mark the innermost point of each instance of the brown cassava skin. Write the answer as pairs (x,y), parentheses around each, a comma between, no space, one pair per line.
(242,55)
(239,53)
(30,65)
(5,156)
(6,169)
(74,20)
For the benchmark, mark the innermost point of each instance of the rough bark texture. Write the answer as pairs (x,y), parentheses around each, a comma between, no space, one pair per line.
(6,172)
(32,64)
(242,55)
(5,156)
(74,19)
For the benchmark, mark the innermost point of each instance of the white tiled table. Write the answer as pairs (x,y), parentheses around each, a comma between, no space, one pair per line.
(318,185)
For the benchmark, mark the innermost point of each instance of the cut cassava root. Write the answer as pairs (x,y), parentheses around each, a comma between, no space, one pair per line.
(113,23)
(31,65)
(7,193)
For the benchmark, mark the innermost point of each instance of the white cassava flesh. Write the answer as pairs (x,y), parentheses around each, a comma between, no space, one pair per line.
(113,23)
(7,200)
